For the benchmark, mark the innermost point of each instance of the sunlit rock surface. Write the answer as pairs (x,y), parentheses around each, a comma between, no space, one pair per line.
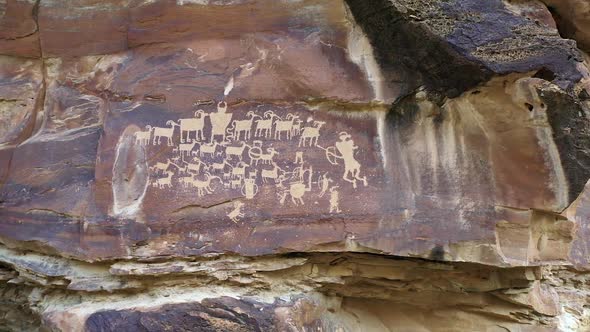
(261,165)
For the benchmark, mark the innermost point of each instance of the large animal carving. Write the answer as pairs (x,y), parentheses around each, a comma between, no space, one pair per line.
(272,174)
(257,155)
(208,149)
(142,137)
(237,151)
(204,186)
(243,126)
(164,182)
(160,132)
(264,126)
(285,126)
(186,148)
(194,125)
(311,134)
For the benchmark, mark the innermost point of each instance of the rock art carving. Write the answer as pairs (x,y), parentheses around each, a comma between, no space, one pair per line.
(236,214)
(352,168)
(311,134)
(334,200)
(243,161)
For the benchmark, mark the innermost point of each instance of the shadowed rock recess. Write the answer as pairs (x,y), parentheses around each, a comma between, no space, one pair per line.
(294,165)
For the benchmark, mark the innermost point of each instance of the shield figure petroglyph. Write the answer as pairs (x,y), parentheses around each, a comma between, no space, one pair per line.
(219,121)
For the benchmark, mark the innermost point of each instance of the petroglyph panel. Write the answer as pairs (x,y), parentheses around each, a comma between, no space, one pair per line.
(268,160)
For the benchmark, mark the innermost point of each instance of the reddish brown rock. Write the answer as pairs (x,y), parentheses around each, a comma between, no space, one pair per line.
(183,164)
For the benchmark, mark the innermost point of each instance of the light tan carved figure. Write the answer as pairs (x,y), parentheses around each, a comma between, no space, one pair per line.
(220,121)
(195,125)
(334,200)
(236,214)
(238,169)
(164,182)
(243,126)
(160,132)
(311,134)
(237,151)
(346,148)
(142,137)
(285,126)
(264,126)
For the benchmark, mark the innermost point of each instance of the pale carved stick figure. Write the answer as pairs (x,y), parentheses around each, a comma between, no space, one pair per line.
(324,182)
(299,157)
(236,214)
(334,200)
(352,167)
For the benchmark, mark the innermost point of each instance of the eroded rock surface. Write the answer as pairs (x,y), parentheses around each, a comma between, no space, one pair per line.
(287,165)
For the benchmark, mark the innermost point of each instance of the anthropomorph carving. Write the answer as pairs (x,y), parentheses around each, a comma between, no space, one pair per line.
(334,200)
(346,149)
(220,121)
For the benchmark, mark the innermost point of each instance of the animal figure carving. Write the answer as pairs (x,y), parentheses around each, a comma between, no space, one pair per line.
(239,171)
(237,151)
(186,148)
(164,182)
(285,126)
(236,213)
(162,167)
(195,125)
(142,137)
(311,134)
(208,149)
(272,174)
(256,155)
(160,132)
(243,126)
(203,186)
(264,126)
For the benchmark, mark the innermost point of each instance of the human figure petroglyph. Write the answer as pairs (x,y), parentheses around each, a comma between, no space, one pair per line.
(334,200)
(311,134)
(285,126)
(264,126)
(142,137)
(220,121)
(160,132)
(194,125)
(297,188)
(243,126)
(236,214)
(298,157)
(346,149)
(236,183)
(324,182)
(165,182)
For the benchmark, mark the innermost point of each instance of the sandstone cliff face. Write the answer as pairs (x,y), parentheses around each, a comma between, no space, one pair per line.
(260,165)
